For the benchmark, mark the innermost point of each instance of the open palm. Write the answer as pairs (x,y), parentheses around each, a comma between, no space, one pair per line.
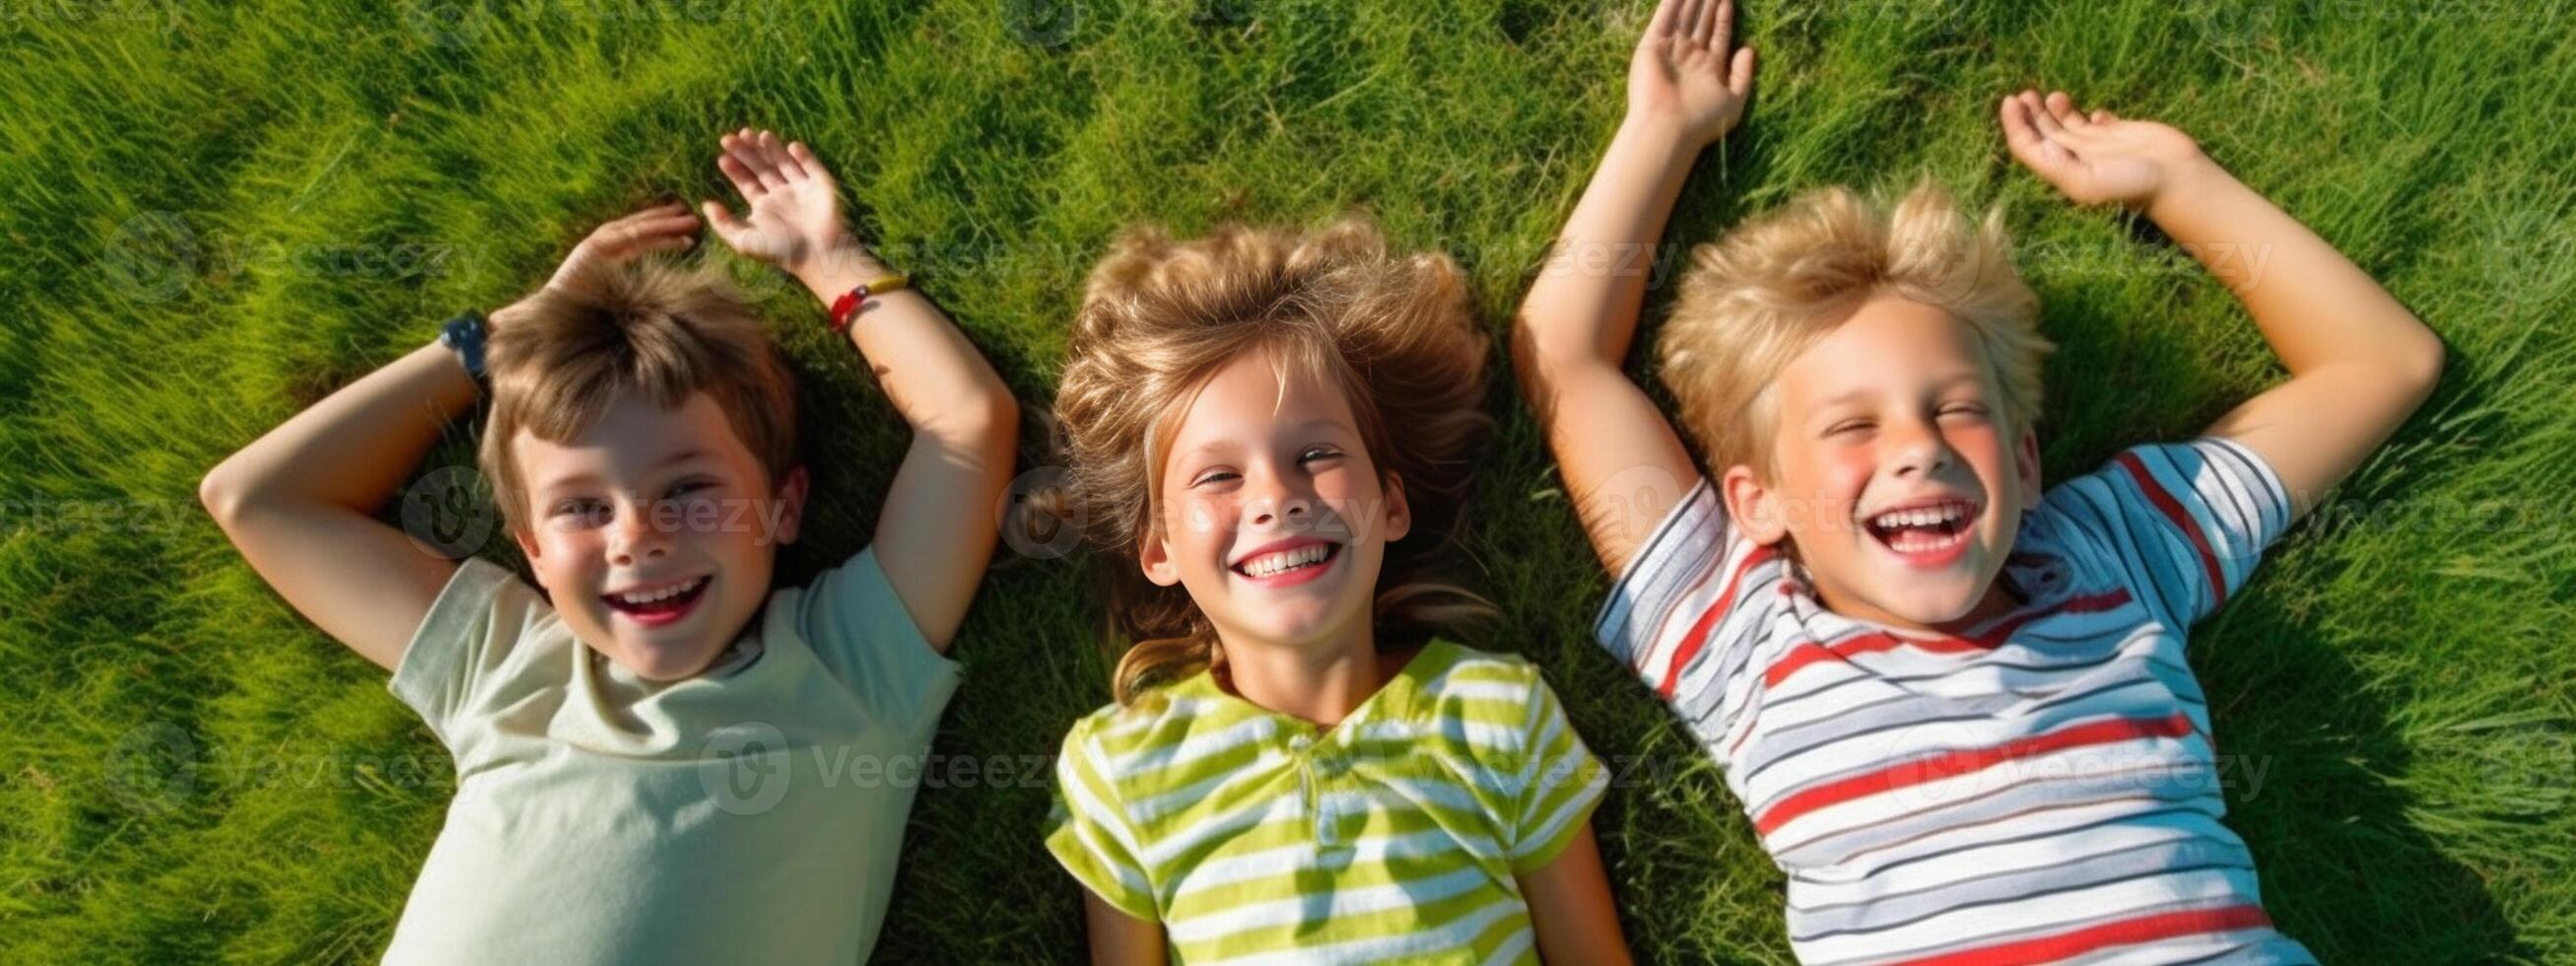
(1687,72)
(2094,158)
(795,206)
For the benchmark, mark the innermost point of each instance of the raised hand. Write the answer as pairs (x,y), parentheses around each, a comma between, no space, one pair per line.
(1687,74)
(795,220)
(661,228)
(2097,158)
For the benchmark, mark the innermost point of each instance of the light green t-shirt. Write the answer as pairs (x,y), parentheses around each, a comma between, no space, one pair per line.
(750,814)
(1397,834)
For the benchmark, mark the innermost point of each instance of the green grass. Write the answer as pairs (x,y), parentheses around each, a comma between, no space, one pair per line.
(215,215)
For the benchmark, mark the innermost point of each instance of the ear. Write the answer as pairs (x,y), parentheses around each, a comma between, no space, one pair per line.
(527,540)
(1753,506)
(2026,452)
(1154,556)
(1399,514)
(787,510)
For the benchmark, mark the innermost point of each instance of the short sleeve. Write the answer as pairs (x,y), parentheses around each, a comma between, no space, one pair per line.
(1088,830)
(2183,524)
(861,631)
(1559,783)
(1688,611)
(482,613)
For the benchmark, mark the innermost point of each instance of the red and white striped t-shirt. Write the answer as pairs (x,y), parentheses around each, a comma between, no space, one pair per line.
(2041,789)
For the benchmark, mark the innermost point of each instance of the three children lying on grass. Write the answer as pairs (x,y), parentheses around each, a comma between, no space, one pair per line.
(1953,702)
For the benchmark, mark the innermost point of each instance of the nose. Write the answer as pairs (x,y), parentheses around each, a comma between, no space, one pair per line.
(1920,450)
(1272,501)
(636,537)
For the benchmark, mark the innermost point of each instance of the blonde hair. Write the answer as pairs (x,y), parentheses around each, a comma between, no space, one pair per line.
(1755,299)
(1159,317)
(566,353)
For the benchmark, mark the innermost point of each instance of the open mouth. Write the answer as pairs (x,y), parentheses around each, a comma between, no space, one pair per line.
(659,605)
(1293,565)
(1929,535)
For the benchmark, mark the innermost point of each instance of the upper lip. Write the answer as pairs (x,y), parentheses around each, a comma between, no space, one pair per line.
(653,585)
(1921,503)
(1275,546)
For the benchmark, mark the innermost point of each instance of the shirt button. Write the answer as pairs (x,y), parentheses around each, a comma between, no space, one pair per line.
(1301,742)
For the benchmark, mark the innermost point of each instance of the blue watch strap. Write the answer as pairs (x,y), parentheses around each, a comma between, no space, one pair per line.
(463,335)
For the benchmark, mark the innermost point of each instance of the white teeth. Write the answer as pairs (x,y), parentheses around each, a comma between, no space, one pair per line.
(1271,563)
(1920,518)
(653,595)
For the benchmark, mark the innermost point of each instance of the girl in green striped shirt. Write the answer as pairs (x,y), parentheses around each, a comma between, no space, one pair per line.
(1298,766)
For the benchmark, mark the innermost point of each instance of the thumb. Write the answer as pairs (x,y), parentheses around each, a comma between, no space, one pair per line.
(728,226)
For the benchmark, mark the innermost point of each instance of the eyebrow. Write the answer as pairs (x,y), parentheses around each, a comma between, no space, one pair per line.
(1853,394)
(676,459)
(1319,422)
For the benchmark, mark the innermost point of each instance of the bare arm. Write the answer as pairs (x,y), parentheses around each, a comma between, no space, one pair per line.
(1119,939)
(1569,904)
(936,532)
(300,501)
(2359,362)
(1622,463)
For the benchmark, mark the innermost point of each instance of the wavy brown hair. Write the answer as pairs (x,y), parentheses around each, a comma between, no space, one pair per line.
(1160,316)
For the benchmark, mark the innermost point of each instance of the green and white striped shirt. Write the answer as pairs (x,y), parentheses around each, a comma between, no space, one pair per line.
(1395,834)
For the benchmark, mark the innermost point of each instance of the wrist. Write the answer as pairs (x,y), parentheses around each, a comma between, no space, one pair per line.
(1658,137)
(2185,186)
(838,268)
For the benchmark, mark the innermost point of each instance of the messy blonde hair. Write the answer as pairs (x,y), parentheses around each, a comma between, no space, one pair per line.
(1159,317)
(1755,299)
(564,354)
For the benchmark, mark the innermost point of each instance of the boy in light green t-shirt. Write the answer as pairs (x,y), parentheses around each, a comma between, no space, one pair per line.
(658,758)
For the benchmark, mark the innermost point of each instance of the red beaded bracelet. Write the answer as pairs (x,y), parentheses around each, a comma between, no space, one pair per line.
(847,306)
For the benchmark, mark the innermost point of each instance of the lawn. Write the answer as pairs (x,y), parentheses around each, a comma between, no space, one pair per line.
(216,214)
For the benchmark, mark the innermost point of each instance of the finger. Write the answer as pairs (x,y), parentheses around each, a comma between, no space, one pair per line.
(1684,18)
(1739,79)
(2104,116)
(1725,26)
(1704,29)
(681,222)
(664,209)
(666,243)
(745,183)
(2040,118)
(783,162)
(805,158)
(2023,138)
(1662,24)
(746,151)
(2062,107)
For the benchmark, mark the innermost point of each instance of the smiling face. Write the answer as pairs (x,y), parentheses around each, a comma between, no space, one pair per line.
(1272,515)
(655,532)
(1900,481)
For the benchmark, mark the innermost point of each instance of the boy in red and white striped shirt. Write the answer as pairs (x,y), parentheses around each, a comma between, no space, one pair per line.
(1954,703)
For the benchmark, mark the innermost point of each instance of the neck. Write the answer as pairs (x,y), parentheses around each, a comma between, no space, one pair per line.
(1320,682)
(1999,599)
